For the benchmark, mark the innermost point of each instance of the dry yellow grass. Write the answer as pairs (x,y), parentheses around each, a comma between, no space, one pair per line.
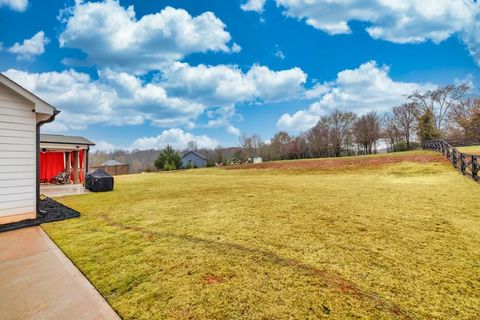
(470,149)
(395,241)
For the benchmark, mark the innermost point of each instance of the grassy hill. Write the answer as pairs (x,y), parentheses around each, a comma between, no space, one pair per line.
(388,236)
(470,149)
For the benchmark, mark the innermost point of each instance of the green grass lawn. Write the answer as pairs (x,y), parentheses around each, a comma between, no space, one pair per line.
(470,149)
(398,240)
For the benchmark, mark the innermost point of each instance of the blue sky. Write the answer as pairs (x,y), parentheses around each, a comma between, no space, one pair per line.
(140,74)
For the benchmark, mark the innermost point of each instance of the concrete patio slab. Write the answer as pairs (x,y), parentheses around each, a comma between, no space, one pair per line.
(37,281)
(60,190)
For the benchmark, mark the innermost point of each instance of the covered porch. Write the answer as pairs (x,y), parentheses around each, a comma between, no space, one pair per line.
(63,164)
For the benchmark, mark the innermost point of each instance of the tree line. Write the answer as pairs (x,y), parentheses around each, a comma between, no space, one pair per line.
(449,112)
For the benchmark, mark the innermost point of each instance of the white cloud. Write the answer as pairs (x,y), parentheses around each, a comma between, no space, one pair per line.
(225,85)
(398,21)
(54,127)
(369,87)
(300,121)
(279,54)
(113,99)
(30,47)
(175,137)
(105,146)
(176,99)
(253,5)
(470,36)
(236,48)
(233,131)
(17,5)
(112,37)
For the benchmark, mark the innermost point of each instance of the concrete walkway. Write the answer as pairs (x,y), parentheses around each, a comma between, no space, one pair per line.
(37,281)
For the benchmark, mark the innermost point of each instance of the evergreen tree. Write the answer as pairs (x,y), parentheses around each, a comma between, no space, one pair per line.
(426,127)
(168,159)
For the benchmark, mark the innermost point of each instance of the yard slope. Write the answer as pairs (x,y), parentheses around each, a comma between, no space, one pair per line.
(397,240)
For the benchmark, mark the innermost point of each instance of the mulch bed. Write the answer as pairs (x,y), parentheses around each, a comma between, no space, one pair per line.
(50,210)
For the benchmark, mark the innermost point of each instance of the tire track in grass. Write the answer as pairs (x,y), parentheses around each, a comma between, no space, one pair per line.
(333,281)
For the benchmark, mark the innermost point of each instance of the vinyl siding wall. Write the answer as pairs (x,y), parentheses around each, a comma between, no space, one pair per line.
(17,157)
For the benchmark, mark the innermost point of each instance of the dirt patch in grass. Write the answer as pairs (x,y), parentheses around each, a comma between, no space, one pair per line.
(212,279)
(339,163)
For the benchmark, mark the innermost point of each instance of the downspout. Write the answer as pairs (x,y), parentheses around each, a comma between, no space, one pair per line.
(86,165)
(37,154)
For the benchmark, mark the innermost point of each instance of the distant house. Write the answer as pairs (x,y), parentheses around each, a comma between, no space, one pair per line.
(193,159)
(257,160)
(113,167)
(112,163)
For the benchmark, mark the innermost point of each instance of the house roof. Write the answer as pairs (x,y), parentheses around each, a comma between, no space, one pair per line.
(195,153)
(61,139)
(40,105)
(112,163)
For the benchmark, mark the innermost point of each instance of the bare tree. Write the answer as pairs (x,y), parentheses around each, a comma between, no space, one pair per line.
(192,145)
(391,133)
(250,145)
(439,101)
(465,116)
(367,131)
(318,138)
(279,145)
(219,156)
(405,117)
(341,124)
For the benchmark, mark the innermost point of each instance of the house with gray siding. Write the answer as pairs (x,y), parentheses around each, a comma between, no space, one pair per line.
(195,159)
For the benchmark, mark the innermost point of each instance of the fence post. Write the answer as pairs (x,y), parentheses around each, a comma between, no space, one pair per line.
(454,157)
(474,167)
(462,163)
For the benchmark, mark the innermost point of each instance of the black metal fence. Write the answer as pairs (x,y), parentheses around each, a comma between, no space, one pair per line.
(466,163)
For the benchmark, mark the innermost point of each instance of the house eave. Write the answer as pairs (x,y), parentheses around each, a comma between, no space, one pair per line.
(41,106)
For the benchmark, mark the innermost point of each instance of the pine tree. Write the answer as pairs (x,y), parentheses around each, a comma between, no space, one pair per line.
(168,159)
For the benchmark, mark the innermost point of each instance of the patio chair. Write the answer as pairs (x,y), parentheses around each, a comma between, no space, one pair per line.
(61,178)
(57,177)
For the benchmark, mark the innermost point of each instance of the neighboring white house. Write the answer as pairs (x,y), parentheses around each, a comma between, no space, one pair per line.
(21,115)
(257,160)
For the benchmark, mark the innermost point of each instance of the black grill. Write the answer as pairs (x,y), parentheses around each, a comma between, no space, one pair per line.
(99,181)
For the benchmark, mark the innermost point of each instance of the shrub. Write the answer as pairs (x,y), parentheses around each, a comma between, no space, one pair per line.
(400,146)
(235,160)
(210,164)
(169,166)
(414,145)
